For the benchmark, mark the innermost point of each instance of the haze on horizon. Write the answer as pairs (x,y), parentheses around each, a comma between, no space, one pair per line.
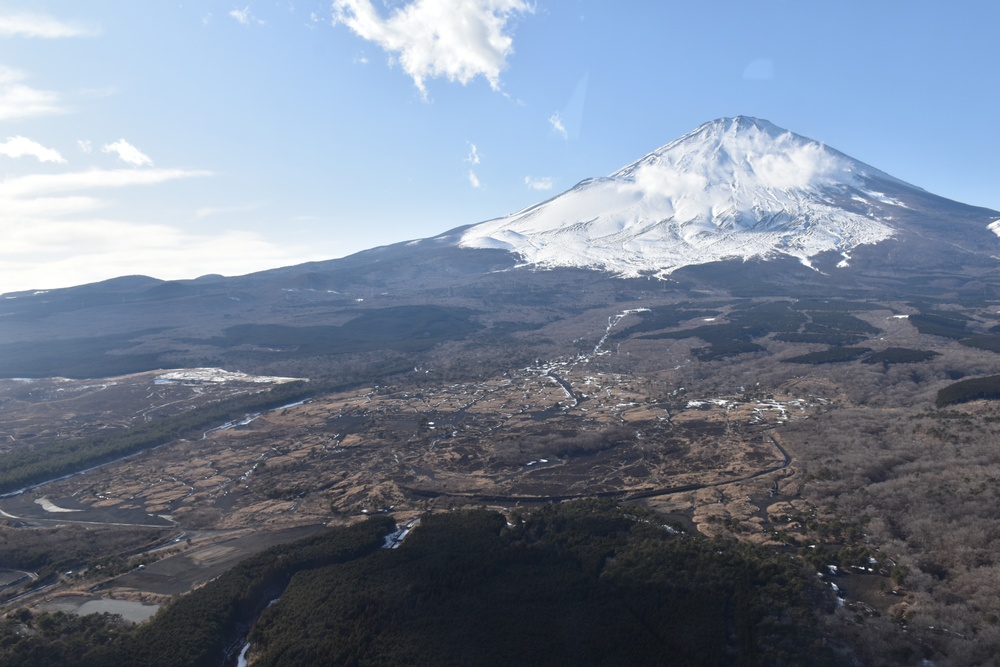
(175,141)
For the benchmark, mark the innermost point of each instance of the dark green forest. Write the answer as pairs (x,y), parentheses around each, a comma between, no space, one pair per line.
(969,390)
(805,321)
(581,583)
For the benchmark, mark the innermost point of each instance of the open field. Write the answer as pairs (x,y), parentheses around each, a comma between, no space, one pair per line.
(554,431)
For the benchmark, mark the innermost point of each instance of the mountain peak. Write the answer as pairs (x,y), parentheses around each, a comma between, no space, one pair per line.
(737,187)
(726,130)
(753,152)
(742,124)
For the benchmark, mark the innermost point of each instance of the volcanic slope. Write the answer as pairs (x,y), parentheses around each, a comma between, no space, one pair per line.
(734,188)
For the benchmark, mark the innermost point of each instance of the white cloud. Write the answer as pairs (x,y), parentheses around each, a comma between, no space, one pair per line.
(555,120)
(242,16)
(798,167)
(9,74)
(665,181)
(473,157)
(569,122)
(18,100)
(127,153)
(207,211)
(85,146)
(542,183)
(245,16)
(52,236)
(64,253)
(40,25)
(44,184)
(455,39)
(22,146)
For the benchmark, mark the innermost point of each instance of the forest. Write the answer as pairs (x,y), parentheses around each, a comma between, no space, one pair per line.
(580,583)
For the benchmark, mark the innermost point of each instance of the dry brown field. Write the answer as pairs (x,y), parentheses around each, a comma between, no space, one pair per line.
(556,431)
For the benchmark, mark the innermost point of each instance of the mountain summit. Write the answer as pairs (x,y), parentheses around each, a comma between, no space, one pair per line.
(734,188)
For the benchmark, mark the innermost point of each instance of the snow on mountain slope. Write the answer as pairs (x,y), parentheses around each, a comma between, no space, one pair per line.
(733,188)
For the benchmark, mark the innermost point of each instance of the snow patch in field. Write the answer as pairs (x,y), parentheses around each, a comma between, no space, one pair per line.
(217,376)
(50,506)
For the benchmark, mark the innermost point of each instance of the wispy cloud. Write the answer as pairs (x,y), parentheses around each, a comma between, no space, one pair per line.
(18,100)
(53,235)
(74,181)
(208,211)
(70,227)
(540,183)
(22,146)
(242,16)
(26,24)
(73,252)
(555,120)
(455,39)
(473,157)
(568,122)
(127,153)
(245,16)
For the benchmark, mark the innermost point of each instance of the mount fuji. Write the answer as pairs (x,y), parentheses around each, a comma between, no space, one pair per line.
(734,188)
(738,206)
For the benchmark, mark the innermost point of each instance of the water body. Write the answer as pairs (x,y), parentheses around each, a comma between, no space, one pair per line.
(130,610)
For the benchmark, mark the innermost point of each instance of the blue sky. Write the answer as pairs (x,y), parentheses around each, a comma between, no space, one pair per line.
(178,139)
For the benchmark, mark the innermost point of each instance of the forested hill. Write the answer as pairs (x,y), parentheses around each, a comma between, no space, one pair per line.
(583,583)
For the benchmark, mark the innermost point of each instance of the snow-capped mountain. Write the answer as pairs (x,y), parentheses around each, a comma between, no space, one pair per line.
(734,188)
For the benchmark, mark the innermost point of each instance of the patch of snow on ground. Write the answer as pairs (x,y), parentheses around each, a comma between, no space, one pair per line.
(217,376)
(50,506)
